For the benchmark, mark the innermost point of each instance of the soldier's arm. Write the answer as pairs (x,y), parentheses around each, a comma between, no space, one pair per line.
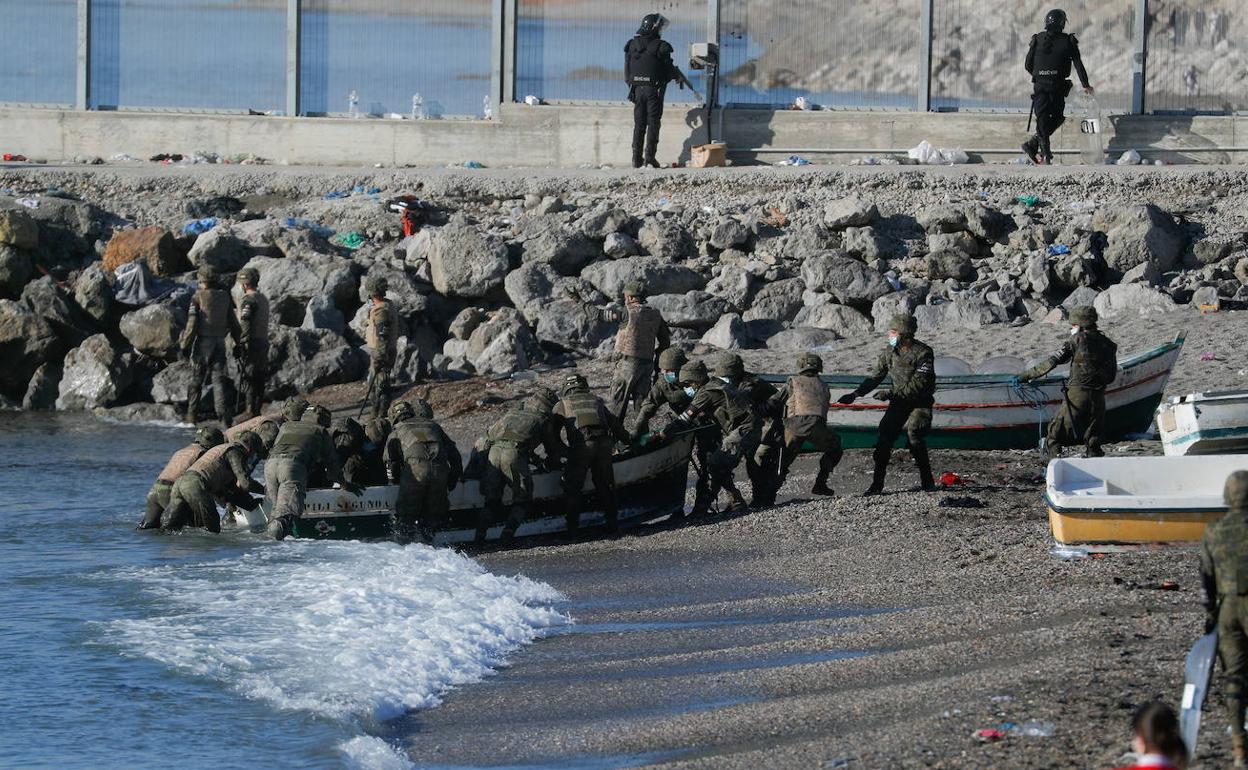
(876,376)
(1064,354)
(662,337)
(241,327)
(648,409)
(923,379)
(385,330)
(1030,61)
(628,65)
(1077,60)
(780,399)
(394,458)
(665,55)
(241,476)
(333,470)
(454,460)
(552,442)
(614,424)
(192,327)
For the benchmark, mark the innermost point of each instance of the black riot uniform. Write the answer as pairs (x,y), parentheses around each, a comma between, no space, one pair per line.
(1049,61)
(648,68)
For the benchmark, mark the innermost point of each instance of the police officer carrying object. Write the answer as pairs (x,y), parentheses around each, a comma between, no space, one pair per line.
(591,431)
(642,333)
(382,338)
(158,497)
(426,464)
(804,399)
(222,474)
(912,367)
(1224,572)
(302,449)
(648,68)
(203,341)
(1093,359)
(764,465)
(511,443)
(251,342)
(1049,60)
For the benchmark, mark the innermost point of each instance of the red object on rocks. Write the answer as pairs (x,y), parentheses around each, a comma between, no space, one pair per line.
(988,735)
(949,478)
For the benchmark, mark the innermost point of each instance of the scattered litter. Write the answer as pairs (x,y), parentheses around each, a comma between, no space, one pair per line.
(949,478)
(1001,698)
(838,762)
(351,240)
(1058,248)
(122,157)
(802,103)
(532,100)
(336,194)
(221,207)
(473,164)
(526,374)
(872,160)
(1129,158)
(30,203)
(199,226)
(166,157)
(664,201)
(794,160)
(988,735)
(1209,357)
(1034,728)
(1081,206)
(962,501)
(135,285)
(947,713)
(1029,200)
(1130,585)
(1068,553)
(308,224)
(927,155)
(14,158)
(775,217)
(893,280)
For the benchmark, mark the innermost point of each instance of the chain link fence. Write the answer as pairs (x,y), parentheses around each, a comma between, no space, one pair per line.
(37,51)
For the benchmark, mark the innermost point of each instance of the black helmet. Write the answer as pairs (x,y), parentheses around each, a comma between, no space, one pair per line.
(672,359)
(574,383)
(1055,20)
(400,411)
(294,408)
(652,24)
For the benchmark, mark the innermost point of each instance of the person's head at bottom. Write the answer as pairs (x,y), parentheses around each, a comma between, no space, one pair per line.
(1156,737)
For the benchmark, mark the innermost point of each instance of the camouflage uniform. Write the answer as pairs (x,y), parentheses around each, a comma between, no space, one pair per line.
(642,329)
(223,474)
(804,400)
(763,466)
(427,465)
(376,434)
(181,462)
(382,338)
(1224,572)
(265,426)
(301,447)
(348,438)
(251,342)
(723,405)
(203,341)
(1093,361)
(591,431)
(511,442)
(667,390)
(911,365)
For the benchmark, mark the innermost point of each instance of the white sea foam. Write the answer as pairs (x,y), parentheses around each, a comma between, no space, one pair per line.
(367,752)
(356,632)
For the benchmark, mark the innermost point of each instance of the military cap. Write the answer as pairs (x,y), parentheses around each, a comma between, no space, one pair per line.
(320,415)
(249,276)
(672,359)
(546,396)
(809,362)
(422,409)
(575,382)
(206,273)
(376,285)
(401,410)
(377,430)
(294,408)
(208,437)
(729,365)
(1235,493)
(635,289)
(693,373)
(252,442)
(1084,315)
(904,323)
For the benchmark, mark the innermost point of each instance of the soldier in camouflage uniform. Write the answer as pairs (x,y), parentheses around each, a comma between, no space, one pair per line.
(668,390)
(642,333)
(382,338)
(591,430)
(911,365)
(182,460)
(222,474)
(1224,572)
(511,443)
(804,400)
(303,448)
(265,426)
(716,402)
(203,341)
(426,464)
(376,434)
(763,467)
(348,436)
(1093,361)
(251,342)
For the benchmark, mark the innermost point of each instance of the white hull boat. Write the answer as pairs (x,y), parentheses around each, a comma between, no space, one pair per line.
(1204,423)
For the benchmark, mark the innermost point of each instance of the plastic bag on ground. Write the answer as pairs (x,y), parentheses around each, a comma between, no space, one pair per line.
(135,285)
(1129,158)
(928,155)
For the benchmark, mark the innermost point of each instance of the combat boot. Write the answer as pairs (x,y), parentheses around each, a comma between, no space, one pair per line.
(1237,748)
(821,486)
(652,163)
(1031,148)
(877,479)
(277,529)
(924,463)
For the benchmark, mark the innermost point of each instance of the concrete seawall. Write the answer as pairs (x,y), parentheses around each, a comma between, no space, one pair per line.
(565,136)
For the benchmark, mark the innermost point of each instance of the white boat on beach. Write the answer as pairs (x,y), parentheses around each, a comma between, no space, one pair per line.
(1153,499)
(1204,423)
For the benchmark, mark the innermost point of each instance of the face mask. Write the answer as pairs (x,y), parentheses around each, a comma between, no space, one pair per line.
(690,391)
(670,377)
(1074,330)
(893,340)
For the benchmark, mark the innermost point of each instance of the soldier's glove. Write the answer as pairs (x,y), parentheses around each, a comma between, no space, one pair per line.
(847,399)
(254,503)
(882,395)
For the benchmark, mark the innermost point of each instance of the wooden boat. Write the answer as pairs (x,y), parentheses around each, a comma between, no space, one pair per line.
(1204,423)
(650,482)
(1136,499)
(989,411)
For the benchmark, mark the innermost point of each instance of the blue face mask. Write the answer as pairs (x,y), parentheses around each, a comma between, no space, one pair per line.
(670,377)
(893,339)
(690,391)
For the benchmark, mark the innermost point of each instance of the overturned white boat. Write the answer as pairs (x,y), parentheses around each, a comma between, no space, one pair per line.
(1204,423)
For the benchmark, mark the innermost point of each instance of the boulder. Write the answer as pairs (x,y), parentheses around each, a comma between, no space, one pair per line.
(93,292)
(962,313)
(466,322)
(1038,278)
(960,241)
(291,283)
(942,218)
(845,321)
(657,275)
(301,243)
(302,360)
(727,234)
(566,250)
(68,228)
(849,212)
(666,238)
(413,357)
(26,342)
(866,243)
(44,386)
(691,310)
(153,245)
(889,305)
(605,222)
(153,330)
(801,339)
(220,249)
(322,313)
(47,300)
(1074,270)
(802,241)
(502,345)
(620,245)
(171,384)
(1130,299)
(778,301)
(16,268)
(530,286)
(1241,271)
(950,264)
(1209,251)
(92,377)
(986,223)
(18,229)
(259,235)
(734,285)
(851,281)
(572,325)
(728,333)
(1206,298)
(465,263)
(1139,234)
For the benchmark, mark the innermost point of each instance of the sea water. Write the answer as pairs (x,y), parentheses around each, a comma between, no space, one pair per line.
(121,648)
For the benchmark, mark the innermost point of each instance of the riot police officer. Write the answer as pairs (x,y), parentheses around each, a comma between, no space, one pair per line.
(648,68)
(1049,60)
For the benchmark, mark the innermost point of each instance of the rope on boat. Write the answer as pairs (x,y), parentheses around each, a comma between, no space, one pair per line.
(1034,398)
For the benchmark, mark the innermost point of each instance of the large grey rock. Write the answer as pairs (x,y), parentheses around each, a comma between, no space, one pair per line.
(986,223)
(47,300)
(605,222)
(531,286)
(942,218)
(466,322)
(566,250)
(620,245)
(16,268)
(501,345)
(1139,234)
(866,243)
(950,264)
(778,301)
(692,310)
(801,339)
(845,321)
(1206,297)
(1209,251)
(735,285)
(573,325)
(960,241)
(801,241)
(220,249)
(657,275)
(322,313)
(851,281)
(1132,299)
(153,330)
(26,342)
(962,313)
(465,263)
(44,386)
(291,283)
(889,305)
(302,360)
(1038,278)
(92,377)
(1074,270)
(18,229)
(728,234)
(171,384)
(93,292)
(260,236)
(849,212)
(1084,296)
(728,333)
(666,238)
(68,228)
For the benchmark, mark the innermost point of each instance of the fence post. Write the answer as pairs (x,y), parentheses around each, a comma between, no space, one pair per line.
(924,101)
(713,23)
(294,17)
(509,26)
(1139,61)
(82,68)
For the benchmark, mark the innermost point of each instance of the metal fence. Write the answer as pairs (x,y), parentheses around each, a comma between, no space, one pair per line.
(318,57)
